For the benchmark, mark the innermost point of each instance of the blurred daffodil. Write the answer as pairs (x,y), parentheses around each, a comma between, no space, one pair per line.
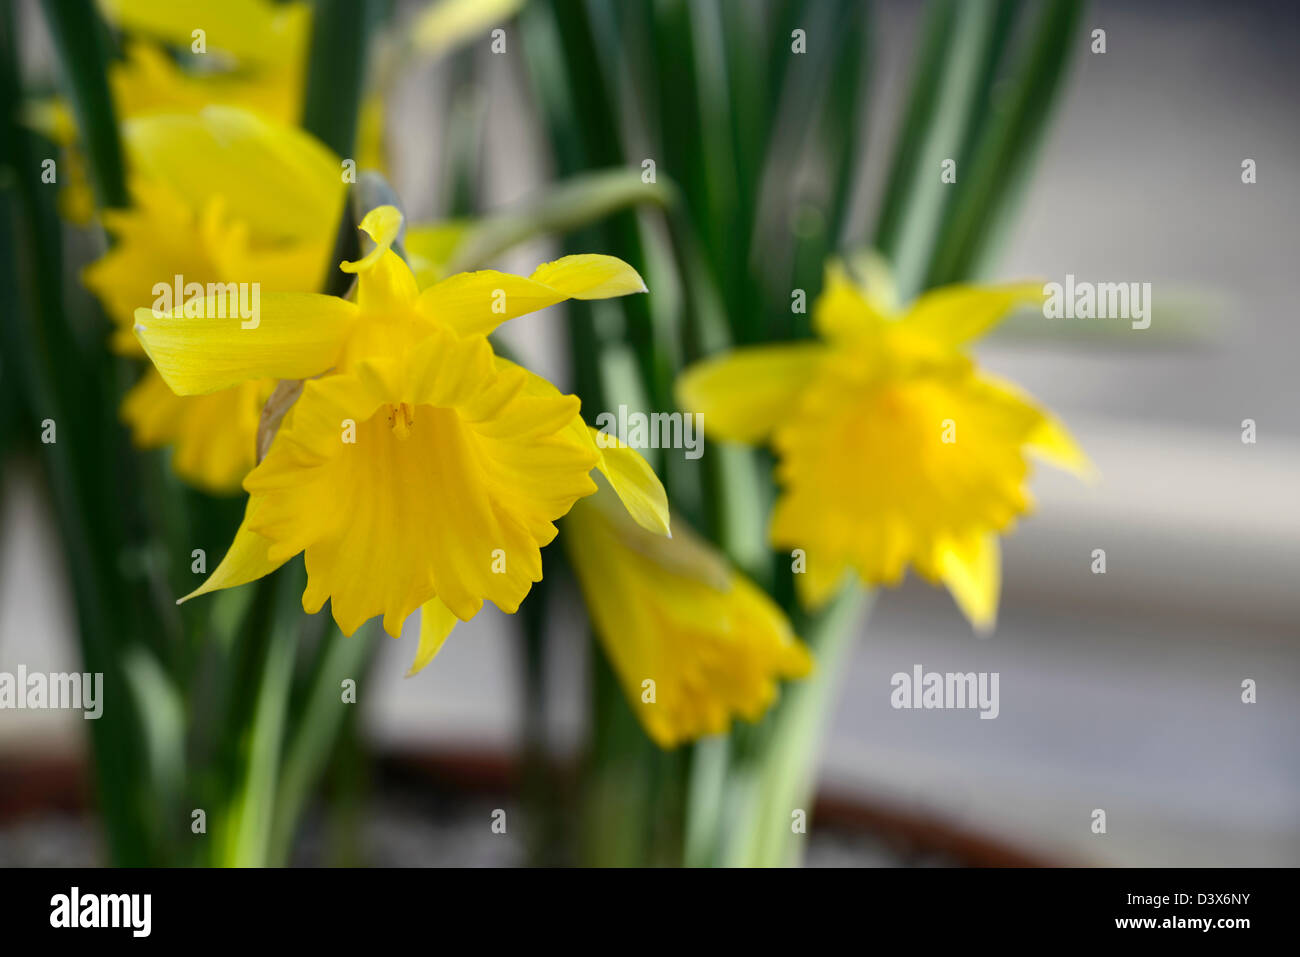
(253,54)
(694,643)
(249,54)
(417,469)
(246,53)
(226,197)
(893,448)
(181,56)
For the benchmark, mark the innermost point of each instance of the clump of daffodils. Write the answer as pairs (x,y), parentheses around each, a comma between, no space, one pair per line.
(894,449)
(416,469)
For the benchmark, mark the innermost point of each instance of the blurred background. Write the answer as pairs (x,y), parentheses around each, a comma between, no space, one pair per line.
(1119,691)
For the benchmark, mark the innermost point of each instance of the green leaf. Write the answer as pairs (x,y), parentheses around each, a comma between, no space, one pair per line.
(578,202)
(1006,148)
(336,69)
(82,48)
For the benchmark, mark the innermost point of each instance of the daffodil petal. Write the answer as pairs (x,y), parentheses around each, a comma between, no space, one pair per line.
(295,335)
(382,224)
(820,579)
(972,571)
(254,30)
(713,645)
(845,310)
(955,315)
(1048,438)
(475,303)
(385,285)
(246,560)
(634,481)
(590,276)
(744,395)
(213,437)
(436,623)
(279,180)
(630,475)
(449,23)
(1052,442)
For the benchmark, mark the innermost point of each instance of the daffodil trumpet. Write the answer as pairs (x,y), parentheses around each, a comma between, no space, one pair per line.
(416,469)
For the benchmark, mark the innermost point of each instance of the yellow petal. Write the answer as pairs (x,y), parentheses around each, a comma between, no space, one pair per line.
(1052,442)
(149,80)
(634,481)
(475,303)
(590,276)
(382,224)
(449,23)
(278,180)
(747,393)
(955,315)
(255,30)
(630,475)
(1047,438)
(436,623)
(155,240)
(823,574)
(214,437)
(296,335)
(712,647)
(246,560)
(844,310)
(386,286)
(972,570)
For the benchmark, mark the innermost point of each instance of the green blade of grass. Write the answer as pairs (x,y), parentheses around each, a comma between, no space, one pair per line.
(79,40)
(336,68)
(1006,149)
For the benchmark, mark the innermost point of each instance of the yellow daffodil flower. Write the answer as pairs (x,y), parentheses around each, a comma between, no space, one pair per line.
(254,56)
(220,197)
(253,53)
(693,641)
(417,469)
(893,448)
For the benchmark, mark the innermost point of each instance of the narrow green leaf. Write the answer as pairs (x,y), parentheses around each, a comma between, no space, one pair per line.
(1007,147)
(336,69)
(82,48)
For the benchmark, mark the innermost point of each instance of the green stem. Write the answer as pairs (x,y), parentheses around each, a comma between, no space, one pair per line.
(782,779)
(250,819)
(80,40)
(318,725)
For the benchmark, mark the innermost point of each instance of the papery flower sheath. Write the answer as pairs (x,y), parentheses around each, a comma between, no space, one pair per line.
(223,196)
(693,641)
(417,468)
(893,448)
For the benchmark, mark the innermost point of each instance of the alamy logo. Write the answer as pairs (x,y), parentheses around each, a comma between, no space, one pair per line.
(133,911)
(194,300)
(58,690)
(1103,300)
(953,690)
(658,430)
